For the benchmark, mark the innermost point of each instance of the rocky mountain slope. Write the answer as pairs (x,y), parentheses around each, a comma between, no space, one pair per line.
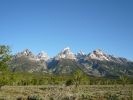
(27,61)
(96,63)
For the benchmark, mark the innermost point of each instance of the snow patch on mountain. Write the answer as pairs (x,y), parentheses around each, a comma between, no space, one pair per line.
(66,53)
(43,56)
(27,53)
(80,55)
(99,55)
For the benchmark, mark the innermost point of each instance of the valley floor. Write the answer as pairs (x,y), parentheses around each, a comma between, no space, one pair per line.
(83,92)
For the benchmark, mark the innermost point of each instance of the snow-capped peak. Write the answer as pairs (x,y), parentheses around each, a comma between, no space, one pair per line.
(66,53)
(42,56)
(26,52)
(99,51)
(80,55)
(99,55)
(67,48)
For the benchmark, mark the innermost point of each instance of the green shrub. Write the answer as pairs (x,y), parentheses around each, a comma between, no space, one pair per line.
(34,98)
(112,97)
(69,82)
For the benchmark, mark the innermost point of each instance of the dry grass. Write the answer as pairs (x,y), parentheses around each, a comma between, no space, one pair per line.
(84,92)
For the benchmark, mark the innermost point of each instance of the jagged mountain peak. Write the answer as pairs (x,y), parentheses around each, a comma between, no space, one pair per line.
(98,51)
(66,53)
(98,54)
(43,53)
(26,52)
(43,56)
(95,63)
(29,54)
(81,52)
(80,55)
(67,48)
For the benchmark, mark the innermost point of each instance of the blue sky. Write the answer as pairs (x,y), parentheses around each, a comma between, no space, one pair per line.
(52,25)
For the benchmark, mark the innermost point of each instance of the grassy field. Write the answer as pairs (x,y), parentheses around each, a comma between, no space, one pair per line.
(84,92)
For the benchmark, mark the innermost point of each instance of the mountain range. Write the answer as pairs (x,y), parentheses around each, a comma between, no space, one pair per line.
(97,63)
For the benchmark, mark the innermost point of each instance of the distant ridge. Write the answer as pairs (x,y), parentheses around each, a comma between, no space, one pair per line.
(97,63)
